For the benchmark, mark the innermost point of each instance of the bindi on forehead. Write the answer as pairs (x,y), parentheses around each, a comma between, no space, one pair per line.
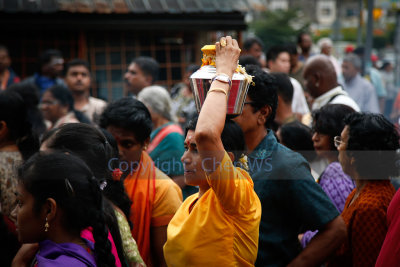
(190,138)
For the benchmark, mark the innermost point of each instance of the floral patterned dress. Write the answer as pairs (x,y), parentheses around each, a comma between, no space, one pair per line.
(9,163)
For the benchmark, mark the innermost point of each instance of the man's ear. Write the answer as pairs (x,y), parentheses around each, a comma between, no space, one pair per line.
(64,108)
(317,77)
(149,80)
(264,114)
(269,62)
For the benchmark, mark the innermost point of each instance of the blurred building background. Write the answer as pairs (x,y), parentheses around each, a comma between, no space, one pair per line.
(110,33)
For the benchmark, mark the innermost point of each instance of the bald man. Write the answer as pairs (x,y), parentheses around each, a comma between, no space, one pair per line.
(320,81)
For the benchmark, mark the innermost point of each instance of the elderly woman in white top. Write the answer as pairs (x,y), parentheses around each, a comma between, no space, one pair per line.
(166,140)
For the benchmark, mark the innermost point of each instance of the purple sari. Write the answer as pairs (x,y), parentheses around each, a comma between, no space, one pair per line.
(337,185)
(66,254)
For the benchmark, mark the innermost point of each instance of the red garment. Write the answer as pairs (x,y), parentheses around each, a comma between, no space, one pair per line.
(366,225)
(172,128)
(390,252)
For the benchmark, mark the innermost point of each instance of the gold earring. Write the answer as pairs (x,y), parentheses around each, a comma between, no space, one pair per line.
(46,226)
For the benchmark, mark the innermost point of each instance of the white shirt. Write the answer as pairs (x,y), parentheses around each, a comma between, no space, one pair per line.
(299,103)
(341,98)
(94,108)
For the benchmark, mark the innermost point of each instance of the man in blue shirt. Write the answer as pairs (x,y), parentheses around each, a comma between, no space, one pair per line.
(291,200)
(358,88)
(51,65)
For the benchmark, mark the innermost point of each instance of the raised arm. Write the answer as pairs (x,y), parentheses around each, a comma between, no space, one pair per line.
(212,115)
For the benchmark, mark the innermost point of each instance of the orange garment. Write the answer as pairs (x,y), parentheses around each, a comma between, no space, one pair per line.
(366,225)
(155,199)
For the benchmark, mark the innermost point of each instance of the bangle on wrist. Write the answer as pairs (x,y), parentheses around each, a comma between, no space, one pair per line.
(222,77)
(218,90)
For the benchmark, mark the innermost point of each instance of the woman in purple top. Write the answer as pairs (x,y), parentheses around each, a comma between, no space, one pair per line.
(58,197)
(328,123)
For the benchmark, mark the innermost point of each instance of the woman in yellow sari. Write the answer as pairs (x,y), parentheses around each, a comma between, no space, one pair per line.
(219,225)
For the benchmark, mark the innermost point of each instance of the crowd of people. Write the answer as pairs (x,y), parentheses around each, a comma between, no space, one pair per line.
(304,176)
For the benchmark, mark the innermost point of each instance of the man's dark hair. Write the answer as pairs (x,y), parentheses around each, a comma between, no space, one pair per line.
(263,91)
(373,142)
(246,60)
(148,65)
(249,42)
(232,136)
(292,49)
(274,52)
(298,137)
(284,86)
(47,55)
(130,114)
(300,37)
(329,120)
(77,62)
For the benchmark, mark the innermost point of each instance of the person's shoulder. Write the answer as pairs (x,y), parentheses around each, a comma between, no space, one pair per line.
(333,167)
(295,83)
(289,156)
(97,101)
(345,99)
(28,80)
(365,82)
(164,182)
(289,165)
(376,196)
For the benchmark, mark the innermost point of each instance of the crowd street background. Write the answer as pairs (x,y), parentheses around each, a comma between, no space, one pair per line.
(108,158)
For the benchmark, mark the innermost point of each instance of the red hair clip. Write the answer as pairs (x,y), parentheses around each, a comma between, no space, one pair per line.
(116,174)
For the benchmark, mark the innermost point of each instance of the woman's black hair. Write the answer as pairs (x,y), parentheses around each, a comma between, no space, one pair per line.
(298,137)
(91,145)
(263,92)
(30,96)
(64,96)
(14,113)
(130,114)
(76,192)
(329,120)
(232,137)
(373,142)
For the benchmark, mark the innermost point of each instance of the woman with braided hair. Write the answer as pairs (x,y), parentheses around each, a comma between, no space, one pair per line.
(98,149)
(55,204)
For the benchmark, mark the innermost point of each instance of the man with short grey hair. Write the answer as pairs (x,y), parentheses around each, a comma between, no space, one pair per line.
(359,88)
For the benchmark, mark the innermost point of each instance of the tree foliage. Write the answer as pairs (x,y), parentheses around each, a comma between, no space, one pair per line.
(279,27)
